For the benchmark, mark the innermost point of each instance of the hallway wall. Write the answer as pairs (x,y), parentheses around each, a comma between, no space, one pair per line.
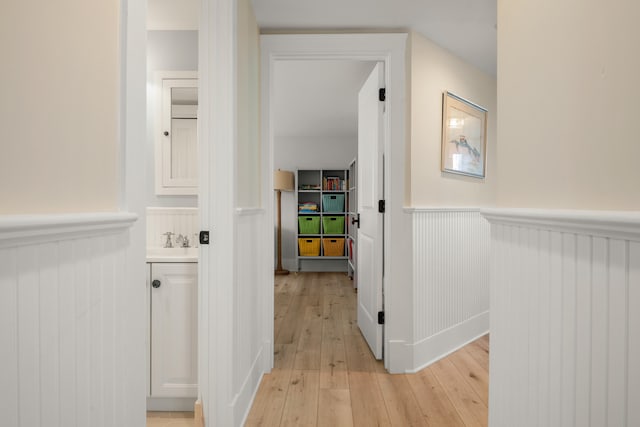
(564,274)
(434,71)
(568,104)
(60,106)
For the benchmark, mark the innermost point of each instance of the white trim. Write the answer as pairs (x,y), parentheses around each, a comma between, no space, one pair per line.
(439,346)
(249,211)
(22,230)
(411,210)
(169,210)
(245,397)
(613,224)
(133,175)
(390,49)
(217,42)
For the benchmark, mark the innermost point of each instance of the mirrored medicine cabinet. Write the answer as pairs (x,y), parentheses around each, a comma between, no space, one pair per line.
(176,147)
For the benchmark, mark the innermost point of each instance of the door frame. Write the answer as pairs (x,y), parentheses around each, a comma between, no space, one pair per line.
(386,48)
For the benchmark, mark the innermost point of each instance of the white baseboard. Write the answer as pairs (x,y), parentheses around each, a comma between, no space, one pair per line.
(244,398)
(171,404)
(434,348)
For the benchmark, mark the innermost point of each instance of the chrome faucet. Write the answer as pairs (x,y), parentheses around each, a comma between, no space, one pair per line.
(168,243)
(182,241)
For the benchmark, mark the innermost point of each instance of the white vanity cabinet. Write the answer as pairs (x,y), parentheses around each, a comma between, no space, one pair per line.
(173,329)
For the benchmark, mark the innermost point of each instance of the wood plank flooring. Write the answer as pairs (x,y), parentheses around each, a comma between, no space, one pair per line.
(324,373)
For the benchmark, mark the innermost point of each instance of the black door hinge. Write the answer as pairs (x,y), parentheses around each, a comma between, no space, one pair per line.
(381,206)
(381,318)
(382,94)
(204,237)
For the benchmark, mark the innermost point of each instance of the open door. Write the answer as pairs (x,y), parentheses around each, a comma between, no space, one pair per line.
(370,192)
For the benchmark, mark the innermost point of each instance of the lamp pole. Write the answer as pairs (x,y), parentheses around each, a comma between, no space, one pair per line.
(279,269)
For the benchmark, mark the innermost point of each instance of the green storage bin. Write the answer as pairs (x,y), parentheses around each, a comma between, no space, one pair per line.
(333,203)
(309,224)
(333,224)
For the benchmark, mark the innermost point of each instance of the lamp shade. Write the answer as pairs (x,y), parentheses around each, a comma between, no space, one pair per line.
(283,180)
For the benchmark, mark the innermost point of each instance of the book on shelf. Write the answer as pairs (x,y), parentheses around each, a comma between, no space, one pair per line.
(309,187)
(332,183)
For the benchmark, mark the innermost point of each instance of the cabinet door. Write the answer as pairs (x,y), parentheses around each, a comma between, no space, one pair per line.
(174,330)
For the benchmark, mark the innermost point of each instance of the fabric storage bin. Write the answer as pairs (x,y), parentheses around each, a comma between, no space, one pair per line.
(333,224)
(333,203)
(309,224)
(333,247)
(309,247)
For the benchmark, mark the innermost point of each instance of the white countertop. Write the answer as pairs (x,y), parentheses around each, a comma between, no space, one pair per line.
(172,254)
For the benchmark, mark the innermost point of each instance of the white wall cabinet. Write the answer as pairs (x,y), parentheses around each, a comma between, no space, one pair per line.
(173,329)
(176,151)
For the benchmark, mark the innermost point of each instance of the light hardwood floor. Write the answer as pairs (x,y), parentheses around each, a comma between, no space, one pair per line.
(325,375)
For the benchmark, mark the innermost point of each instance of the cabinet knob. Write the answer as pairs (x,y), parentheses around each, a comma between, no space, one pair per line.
(166,133)
(156,283)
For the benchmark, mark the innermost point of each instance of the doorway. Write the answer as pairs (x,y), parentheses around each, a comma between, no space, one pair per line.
(387,49)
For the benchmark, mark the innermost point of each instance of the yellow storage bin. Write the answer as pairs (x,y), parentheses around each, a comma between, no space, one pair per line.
(333,247)
(309,247)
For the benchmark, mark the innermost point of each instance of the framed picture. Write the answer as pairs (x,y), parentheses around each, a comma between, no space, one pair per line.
(464,136)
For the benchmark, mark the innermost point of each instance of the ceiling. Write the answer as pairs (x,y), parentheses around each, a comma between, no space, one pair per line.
(319,98)
(465,27)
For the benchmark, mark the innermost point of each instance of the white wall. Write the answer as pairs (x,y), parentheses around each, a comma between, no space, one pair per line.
(60,94)
(166,51)
(292,153)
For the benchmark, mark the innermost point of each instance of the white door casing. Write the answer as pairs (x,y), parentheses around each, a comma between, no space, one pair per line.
(370,191)
(389,49)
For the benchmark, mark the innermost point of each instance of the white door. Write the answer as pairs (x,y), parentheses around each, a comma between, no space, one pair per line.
(370,191)
(174,328)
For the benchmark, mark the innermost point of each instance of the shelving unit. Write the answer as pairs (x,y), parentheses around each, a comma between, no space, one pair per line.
(352,227)
(322,233)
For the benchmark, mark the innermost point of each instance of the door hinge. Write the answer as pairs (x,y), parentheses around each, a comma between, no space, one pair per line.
(381,318)
(204,237)
(382,94)
(381,206)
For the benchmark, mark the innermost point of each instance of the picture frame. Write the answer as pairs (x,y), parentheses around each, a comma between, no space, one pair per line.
(464,136)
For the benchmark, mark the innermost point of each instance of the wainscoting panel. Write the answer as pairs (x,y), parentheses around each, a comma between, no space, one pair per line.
(451,280)
(183,221)
(565,329)
(59,329)
(251,289)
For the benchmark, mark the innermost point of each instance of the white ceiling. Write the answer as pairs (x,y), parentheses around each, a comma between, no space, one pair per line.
(319,98)
(465,27)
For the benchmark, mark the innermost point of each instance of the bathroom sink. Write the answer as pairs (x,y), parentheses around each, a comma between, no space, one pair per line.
(155,254)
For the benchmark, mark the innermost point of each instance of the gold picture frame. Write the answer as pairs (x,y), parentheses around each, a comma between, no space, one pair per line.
(464,136)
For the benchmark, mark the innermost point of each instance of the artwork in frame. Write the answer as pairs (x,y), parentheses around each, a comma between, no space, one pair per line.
(464,136)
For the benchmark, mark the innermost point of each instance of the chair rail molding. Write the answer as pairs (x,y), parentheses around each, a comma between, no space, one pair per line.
(23,230)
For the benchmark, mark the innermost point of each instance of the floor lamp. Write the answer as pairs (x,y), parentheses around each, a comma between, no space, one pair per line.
(282,181)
